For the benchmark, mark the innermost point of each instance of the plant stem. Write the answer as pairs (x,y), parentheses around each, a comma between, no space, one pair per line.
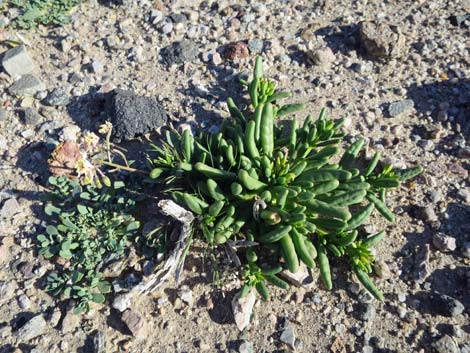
(122,167)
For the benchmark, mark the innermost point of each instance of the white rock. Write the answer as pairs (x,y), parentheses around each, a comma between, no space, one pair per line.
(242,309)
(298,278)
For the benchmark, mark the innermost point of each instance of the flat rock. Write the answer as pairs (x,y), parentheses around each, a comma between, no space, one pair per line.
(33,328)
(17,62)
(135,323)
(179,52)
(399,107)
(242,309)
(133,115)
(9,208)
(27,85)
(380,39)
(322,57)
(30,116)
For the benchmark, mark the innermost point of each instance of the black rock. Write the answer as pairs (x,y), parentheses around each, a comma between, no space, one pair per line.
(179,52)
(132,115)
(445,305)
(57,97)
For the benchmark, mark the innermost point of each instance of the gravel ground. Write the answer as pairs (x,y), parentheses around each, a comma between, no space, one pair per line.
(401,79)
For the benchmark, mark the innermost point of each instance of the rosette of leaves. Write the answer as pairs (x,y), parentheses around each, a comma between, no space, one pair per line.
(87,225)
(291,195)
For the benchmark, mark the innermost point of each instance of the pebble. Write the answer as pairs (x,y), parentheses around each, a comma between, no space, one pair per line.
(24,302)
(17,62)
(58,97)
(255,46)
(298,278)
(466,250)
(246,347)
(186,295)
(399,107)
(100,342)
(10,208)
(237,50)
(31,116)
(35,327)
(427,214)
(368,312)
(135,323)
(97,67)
(288,336)
(27,85)
(3,114)
(446,345)
(242,309)
(322,57)
(444,242)
(179,52)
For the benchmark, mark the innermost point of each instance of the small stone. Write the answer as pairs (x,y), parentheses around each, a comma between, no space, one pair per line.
(354,288)
(186,295)
(7,290)
(422,267)
(3,114)
(97,67)
(24,302)
(322,57)
(400,107)
(446,345)
(31,116)
(69,133)
(178,18)
(401,297)
(99,342)
(255,46)
(368,312)
(444,242)
(367,349)
(178,53)
(27,134)
(35,327)
(216,59)
(288,336)
(427,214)
(57,97)
(380,39)
(10,208)
(17,62)
(464,195)
(298,278)
(242,309)
(135,323)
(381,269)
(363,68)
(246,347)
(237,50)
(27,85)
(122,302)
(365,297)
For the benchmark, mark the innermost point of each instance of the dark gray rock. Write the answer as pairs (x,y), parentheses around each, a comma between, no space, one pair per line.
(179,52)
(132,115)
(30,116)
(17,62)
(27,85)
(380,39)
(445,305)
(57,97)
(400,107)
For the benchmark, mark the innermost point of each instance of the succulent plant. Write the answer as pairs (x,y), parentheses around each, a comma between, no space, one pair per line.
(286,193)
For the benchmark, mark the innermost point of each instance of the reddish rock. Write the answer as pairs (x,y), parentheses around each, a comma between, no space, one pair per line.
(64,159)
(237,50)
(135,323)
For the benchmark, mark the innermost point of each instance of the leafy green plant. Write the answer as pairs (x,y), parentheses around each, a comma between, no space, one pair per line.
(46,12)
(87,224)
(287,193)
